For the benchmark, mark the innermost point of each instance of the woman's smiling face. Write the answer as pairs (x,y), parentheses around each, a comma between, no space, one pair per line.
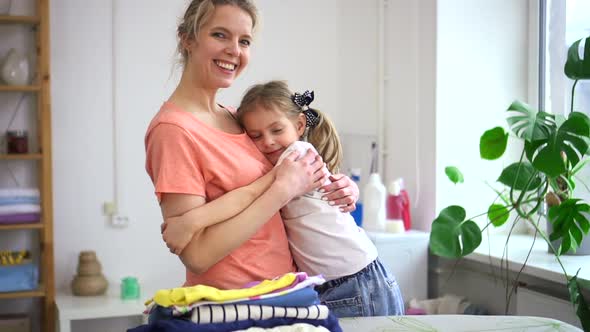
(221,49)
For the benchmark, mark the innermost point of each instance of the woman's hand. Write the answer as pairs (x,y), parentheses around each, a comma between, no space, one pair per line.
(177,232)
(300,176)
(342,192)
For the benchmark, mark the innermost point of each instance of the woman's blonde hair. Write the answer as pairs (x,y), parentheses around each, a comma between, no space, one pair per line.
(199,12)
(323,136)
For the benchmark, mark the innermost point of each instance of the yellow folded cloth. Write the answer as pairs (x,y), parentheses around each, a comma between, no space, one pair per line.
(184,296)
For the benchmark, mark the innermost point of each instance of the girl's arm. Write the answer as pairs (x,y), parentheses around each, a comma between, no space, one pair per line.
(178,231)
(210,244)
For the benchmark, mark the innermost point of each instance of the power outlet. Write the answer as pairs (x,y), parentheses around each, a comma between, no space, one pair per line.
(120,221)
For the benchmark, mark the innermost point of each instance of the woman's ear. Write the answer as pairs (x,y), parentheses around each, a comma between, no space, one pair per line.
(300,124)
(186,42)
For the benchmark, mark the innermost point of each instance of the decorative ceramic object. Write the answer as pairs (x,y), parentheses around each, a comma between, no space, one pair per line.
(5,7)
(89,281)
(15,69)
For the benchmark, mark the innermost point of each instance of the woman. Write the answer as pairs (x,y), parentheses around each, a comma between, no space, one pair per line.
(197,152)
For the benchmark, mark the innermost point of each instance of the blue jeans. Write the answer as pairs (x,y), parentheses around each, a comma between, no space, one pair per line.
(372,291)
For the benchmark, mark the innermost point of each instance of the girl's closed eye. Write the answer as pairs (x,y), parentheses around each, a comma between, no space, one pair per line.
(253,136)
(277,131)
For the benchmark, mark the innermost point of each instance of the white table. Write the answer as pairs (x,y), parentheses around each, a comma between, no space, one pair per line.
(455,323)
(70,308)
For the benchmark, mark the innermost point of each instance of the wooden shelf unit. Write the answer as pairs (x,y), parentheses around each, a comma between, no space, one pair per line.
(46,290)
(7,19)
(24,156)
(22,295)
(20,88)
(12,227)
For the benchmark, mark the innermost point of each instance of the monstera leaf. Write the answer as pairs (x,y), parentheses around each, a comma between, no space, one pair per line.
(577,298)
(454,174)
(498,214)
(571,139)
(529,124)
(520,176)
(570,223)
(452,236)
(492,143)
(576,68)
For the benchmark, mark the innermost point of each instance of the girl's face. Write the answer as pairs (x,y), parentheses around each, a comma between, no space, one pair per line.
(272,131)
(222,48)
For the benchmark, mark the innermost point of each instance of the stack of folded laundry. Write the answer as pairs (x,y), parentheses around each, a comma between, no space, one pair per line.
(286,303)
(19,205)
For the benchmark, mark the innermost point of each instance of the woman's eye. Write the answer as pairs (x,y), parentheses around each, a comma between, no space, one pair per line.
(245,42)
(218,35)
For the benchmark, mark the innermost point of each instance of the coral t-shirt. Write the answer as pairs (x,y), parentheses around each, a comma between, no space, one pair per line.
(186,156)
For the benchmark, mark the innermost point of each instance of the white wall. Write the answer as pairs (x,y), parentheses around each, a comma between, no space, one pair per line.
(144,43)
(410,53)
(482,66)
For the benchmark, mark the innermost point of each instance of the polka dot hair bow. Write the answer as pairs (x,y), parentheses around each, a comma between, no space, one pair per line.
(312,118)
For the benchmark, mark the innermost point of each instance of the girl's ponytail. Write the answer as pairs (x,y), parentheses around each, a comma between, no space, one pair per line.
(324,138)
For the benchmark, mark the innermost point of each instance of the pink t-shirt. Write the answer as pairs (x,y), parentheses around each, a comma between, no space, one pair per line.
(186,156)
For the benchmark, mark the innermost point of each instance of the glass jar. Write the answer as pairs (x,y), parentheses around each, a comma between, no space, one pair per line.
(17,141)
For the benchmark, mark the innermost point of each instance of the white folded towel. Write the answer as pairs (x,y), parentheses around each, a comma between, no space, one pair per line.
(19,208)
(19,192)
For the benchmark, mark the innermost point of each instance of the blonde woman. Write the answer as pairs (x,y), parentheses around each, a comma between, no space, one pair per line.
(199,158)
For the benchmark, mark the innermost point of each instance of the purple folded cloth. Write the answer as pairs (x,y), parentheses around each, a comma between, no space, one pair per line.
(19,218)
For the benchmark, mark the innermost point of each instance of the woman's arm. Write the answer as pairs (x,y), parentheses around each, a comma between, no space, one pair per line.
(210,244)
(178,231)
(342,191)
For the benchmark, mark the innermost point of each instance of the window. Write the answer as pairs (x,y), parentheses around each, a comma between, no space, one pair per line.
(562,23)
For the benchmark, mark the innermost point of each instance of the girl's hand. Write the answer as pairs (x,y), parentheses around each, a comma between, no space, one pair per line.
(300,176)
(177,232)
(342,192)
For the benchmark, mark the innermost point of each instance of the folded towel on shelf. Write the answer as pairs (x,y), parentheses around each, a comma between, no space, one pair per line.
(12,200)
(19,192)
(20,218)
(19,208)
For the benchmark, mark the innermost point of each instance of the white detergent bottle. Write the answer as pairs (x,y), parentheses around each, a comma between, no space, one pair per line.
(374,208)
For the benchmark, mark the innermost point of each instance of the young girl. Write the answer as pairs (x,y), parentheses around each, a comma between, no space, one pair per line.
(323,240)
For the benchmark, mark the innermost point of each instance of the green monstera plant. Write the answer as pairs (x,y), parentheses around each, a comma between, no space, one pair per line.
(555,149)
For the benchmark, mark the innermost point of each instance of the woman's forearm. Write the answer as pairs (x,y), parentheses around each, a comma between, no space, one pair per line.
(211,244)
(227,205)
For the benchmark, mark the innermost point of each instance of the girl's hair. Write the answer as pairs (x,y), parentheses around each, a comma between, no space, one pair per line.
(323,137)
(200,11)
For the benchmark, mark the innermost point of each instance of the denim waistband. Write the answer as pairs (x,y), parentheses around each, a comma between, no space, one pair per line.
(339,281)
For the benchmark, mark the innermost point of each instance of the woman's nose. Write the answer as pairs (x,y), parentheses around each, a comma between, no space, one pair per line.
(233,48)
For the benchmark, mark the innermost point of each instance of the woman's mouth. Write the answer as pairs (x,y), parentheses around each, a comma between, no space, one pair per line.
(225,65)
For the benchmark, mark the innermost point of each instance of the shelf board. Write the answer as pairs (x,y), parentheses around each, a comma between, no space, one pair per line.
(23,156)
(20,295)
(7,19)
(19,88)
(36,225)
